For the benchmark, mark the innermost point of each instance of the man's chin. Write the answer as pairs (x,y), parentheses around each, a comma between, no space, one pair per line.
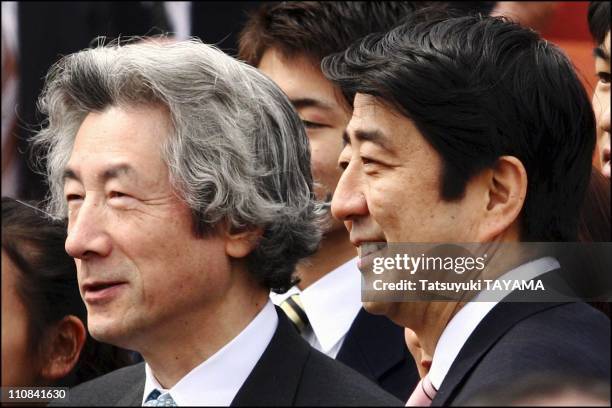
(107,331)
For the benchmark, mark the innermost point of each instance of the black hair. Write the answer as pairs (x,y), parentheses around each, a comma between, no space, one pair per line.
(599,20)
(317,28)
(477,88)
(47,286)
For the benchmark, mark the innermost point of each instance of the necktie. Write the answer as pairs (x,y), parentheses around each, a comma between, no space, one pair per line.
(294,309)
(423,394)
(157,399)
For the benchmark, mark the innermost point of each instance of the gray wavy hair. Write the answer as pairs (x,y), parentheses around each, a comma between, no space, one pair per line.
(238,152)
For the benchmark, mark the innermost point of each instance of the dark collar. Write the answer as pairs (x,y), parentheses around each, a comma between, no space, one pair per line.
(276,376)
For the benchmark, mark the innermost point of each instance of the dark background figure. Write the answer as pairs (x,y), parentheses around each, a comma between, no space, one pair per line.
(595,226)
(44,340)
(47,30)
(220,22)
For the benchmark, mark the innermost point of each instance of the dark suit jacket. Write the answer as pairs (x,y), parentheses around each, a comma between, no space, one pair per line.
(289,372)
(518,339)
(375,347)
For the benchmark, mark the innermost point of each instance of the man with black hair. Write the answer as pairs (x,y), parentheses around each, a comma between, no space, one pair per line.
(599,25)
(471,130)
(286,42)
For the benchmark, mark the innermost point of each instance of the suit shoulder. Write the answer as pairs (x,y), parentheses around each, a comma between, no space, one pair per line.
(573,338)
(107,389)
(568,340)
(328,382)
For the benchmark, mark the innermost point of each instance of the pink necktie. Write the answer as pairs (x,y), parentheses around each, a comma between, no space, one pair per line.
(423,394)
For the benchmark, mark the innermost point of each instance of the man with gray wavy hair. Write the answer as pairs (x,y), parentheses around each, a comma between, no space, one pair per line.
(184,175)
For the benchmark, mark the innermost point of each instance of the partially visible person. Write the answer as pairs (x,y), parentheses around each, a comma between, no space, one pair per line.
(44,341)
(599,25)
(287,41)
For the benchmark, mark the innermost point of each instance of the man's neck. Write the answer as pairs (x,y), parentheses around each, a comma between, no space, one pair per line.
(433,317)
(189,340)
(335,250)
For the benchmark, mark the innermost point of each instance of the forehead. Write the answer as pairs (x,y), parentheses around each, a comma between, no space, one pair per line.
(300,78)
(126,135)
(370,113)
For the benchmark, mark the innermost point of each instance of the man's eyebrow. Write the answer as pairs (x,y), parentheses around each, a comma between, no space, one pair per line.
(117,170)
(70,174)
(310,103)
(112,172)
(373,136)
(346,140)
(599,52)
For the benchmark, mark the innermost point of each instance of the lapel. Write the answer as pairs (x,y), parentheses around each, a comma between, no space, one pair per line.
(134,396)
(499,320)
(373,345)
(276,377)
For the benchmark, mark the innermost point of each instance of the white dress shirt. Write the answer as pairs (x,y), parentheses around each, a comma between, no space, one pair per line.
(331,304)
(469,316)
(217,380)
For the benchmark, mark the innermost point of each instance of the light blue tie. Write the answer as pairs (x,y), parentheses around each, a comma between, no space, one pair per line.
(157,399)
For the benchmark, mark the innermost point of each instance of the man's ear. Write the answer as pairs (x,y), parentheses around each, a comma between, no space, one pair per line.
(506,191)
(63,347)
(241,242)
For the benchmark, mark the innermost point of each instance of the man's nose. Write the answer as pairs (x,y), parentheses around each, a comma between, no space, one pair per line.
(349,200)
(87,236)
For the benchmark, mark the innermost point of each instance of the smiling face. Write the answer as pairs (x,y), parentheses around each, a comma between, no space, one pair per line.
(601,106)
(322,110)
(131,235)
(390,188)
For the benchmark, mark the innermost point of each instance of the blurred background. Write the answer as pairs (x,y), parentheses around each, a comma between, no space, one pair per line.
(37,34)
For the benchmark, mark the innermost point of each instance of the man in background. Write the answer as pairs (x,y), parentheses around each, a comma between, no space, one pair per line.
(599,25)
(286,42)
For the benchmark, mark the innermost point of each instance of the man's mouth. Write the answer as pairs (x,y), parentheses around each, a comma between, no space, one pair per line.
(101,292)
(368,248)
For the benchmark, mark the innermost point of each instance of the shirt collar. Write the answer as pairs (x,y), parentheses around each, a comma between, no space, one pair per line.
(331,303)
(216,381)
(461,326)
